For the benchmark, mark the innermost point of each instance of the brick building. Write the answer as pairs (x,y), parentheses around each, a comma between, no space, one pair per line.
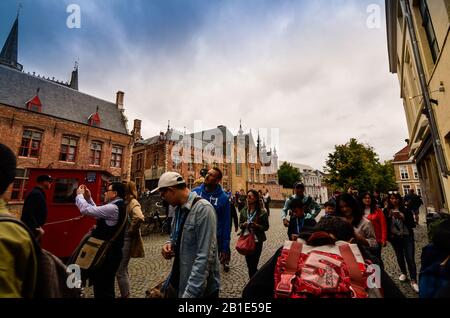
(50,124)
(245,165)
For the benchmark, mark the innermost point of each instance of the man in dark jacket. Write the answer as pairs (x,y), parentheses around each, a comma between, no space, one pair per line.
(413,202)
(211,191)
(34,212)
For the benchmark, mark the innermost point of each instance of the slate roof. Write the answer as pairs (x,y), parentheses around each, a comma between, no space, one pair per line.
(17,88)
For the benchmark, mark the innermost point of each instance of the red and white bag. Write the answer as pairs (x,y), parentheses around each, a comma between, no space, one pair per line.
(328,271)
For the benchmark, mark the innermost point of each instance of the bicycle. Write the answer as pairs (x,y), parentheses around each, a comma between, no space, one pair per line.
(152,222)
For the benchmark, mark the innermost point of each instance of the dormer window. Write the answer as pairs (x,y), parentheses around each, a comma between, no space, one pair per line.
(35,104)
(94,119)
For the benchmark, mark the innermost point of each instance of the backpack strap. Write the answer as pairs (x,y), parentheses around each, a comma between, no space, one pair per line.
(285,286)
(356,277)
(11,219)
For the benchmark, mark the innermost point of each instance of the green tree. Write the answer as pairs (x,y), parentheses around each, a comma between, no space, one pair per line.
(356,164)
(386,177)
(288,175)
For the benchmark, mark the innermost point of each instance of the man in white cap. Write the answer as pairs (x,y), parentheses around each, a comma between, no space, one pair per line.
(193,243)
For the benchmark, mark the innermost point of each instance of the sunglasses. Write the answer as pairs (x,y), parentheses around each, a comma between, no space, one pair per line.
(393,192)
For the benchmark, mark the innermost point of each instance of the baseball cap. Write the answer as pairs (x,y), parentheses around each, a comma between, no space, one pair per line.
(169,179)
(44,178)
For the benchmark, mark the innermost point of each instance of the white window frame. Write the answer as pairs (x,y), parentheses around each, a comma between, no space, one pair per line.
(406,188)
(418,190)
(404,174)
(415,173)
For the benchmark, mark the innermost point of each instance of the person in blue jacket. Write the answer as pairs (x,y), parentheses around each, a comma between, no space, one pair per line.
(212,191)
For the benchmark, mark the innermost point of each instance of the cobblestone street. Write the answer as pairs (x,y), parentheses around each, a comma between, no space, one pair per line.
(151,270)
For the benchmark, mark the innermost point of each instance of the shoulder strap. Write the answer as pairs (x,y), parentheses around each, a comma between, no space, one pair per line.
(285,286)
(195,201)
(6,218)
(293,256)
(125,219)
(356,277)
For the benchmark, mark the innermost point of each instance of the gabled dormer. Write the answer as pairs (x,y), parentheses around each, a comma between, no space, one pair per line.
(35,104)
(94,119)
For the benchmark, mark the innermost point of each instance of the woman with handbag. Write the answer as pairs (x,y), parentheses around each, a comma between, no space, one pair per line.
(133,246)
(254,220)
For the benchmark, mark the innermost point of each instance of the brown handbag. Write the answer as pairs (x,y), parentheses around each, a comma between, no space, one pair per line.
(92,252)
(246,243)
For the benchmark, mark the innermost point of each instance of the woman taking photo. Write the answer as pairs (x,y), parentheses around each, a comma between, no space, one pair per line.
(376,216)
(349,210)
(254,219)
(133,246)
(400,225)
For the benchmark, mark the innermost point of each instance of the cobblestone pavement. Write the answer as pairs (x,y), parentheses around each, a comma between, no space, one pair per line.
(151,270)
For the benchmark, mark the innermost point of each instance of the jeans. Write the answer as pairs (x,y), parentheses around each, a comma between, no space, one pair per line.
(123,278)
(404,248)
(253,260)
(267,206)
(377,252)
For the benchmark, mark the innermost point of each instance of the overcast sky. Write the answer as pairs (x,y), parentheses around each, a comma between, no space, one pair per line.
(314,70)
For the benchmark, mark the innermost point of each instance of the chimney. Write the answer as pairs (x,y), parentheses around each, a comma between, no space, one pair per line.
(119,100)
(137,129)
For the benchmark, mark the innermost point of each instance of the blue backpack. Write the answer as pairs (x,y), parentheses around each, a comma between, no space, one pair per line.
(435,272)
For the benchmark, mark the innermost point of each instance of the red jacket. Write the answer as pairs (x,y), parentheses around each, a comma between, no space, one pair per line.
(379,225)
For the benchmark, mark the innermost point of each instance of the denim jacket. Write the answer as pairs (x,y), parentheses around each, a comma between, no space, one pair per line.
(199,262)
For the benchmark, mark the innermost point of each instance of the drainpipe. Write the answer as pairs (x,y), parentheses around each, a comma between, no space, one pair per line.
(428,109)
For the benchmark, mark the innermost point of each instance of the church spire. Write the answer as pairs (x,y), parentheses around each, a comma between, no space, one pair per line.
(8,55)
(74,78)
(240,128)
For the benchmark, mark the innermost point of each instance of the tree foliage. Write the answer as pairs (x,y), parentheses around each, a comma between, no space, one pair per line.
(356,164)
(288,175)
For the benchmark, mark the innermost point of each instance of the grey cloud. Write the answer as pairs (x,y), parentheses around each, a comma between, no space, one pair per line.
(320,83)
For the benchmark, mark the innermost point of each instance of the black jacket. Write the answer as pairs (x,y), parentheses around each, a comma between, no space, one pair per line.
(34,212)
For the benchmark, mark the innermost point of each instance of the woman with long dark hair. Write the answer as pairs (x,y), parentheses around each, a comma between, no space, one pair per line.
(349,210)
(400,225)
(133,246)
(375,215)
(253,218)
